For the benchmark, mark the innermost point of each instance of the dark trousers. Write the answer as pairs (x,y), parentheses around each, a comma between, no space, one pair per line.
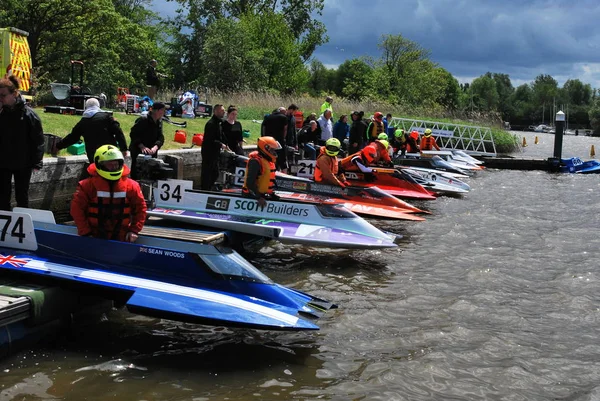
(22,178)
(209,173)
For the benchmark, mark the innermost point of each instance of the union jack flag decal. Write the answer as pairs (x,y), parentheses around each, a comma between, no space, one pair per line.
(168,211)
(11,260)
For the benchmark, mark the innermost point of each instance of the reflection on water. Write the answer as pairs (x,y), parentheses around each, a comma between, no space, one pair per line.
(495,296)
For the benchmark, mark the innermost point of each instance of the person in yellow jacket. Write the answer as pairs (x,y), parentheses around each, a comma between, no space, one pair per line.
(428,141)
(327,106)
(326,169)
(260,171)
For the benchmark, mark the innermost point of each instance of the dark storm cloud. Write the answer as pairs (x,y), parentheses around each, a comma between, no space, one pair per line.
(470,37)
(522,38)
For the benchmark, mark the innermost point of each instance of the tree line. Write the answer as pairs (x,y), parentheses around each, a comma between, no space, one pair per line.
(267,46)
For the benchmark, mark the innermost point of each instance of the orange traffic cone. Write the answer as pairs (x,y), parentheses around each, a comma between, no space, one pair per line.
(592,152)
(536,140)
(524,142)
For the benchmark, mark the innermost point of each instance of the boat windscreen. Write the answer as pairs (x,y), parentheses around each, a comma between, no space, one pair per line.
(231,264)
(335,211)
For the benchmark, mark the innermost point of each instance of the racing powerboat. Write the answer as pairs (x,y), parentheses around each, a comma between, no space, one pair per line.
(367,201)
(578,166)
(434,163)
(391,181)
(287,221)
(191,279)
(436,181)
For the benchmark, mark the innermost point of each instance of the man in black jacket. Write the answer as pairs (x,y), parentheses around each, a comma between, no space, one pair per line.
(21,140)
(358,132)
(147,136)
(214,141)
(152,79)
(97,128)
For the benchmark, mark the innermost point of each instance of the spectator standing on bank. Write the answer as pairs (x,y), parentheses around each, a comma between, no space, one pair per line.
(327,106)
(358,132)
(232,129)
(275,125)
(22,140)
(291,139)
(153,79)
(97,128)
(214,141)
(326,127)
(341,129)
(147,136)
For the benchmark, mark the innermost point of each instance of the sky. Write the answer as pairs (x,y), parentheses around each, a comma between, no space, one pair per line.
(521,38)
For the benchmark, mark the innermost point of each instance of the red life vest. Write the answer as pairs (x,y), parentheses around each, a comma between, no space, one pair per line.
(104,208)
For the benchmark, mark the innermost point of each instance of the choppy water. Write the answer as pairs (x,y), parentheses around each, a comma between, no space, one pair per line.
(495,297)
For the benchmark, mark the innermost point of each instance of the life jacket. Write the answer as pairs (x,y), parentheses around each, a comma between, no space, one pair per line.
(369,155)
(109,205)
(427,142)
(266,178)
(375,128)
(331,163)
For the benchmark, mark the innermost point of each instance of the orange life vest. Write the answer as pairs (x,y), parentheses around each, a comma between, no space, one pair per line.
(328,162)
(375,128)
(428,143)
(266,179)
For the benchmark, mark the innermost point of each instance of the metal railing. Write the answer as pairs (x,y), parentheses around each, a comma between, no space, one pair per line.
(474,140)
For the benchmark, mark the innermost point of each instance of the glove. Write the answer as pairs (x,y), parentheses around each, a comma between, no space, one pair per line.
(345,184)
(390,164)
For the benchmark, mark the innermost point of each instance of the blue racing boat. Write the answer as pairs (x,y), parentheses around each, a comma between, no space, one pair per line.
(576,165)
(191,279)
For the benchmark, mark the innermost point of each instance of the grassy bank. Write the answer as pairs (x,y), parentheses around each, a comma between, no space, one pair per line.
(61,125)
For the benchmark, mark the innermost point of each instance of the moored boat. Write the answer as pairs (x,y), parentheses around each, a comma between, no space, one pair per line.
(188,280)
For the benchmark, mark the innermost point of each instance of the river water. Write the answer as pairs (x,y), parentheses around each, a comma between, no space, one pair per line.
(496,296)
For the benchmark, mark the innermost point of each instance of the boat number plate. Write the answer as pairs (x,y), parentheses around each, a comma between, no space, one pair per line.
(172,191)
(306,168)
(16,231)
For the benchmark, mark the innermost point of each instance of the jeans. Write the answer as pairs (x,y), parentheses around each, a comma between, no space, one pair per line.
(310,152)
(22,178)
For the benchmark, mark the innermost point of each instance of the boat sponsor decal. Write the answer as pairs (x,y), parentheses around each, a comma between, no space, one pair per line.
(353,176)
(13,261)
(168,211)
(220,204)
(271,208)
(300,186)
(162,252)
(98,276)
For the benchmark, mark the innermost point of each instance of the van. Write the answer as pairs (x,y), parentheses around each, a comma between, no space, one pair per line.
(15,57)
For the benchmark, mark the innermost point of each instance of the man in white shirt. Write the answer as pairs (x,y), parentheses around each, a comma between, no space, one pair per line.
(326,127)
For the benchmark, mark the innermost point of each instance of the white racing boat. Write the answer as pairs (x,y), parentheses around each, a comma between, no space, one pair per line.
(290,222)
(437,181)
(449,158)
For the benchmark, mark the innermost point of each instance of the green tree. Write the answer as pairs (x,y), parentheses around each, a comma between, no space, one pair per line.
(545,89)
(485,94)
(95,33)
(505,90)
(256,52)
(400,59)
(356,79)
(577,93)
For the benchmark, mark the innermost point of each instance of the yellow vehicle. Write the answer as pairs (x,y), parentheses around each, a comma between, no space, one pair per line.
(15,57)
